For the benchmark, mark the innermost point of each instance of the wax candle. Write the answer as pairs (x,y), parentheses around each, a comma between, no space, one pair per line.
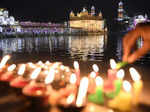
(123,101)
(96,69)
(81,96)
(109,83)
(97,97)
(113,71)
(118,82)
(77,71)
(9,75)
(137,86)
(92,83)
(117,85)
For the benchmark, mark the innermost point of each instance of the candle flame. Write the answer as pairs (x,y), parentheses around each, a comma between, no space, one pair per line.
(22,69)
(73,78)
(4,60)
(99,81)
(40,63)
(62,67)
(95,68)
(55,65)
(82,91)
(47,62)
(134,74)
(92,74)
(50,77)
(46,72)
(120,74)
(126,86)
(35,73)
(112,64)
(76,65)
(70,98)
(31,65)
(67,69)
(11,67)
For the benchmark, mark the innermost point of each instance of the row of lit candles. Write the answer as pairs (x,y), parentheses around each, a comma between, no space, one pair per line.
(91,88)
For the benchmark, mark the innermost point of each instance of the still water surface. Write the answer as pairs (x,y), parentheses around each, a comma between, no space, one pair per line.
(82,48)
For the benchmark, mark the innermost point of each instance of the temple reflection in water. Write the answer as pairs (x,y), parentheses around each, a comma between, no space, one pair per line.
(82,47)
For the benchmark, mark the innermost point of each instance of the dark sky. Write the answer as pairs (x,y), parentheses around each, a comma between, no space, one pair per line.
(58,10)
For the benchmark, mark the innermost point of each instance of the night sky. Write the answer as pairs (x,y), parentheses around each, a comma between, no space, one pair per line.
(58,10)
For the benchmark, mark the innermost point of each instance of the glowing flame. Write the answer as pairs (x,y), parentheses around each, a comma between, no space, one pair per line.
(47,63)
(112,64)
(67,69)
(11,67)
(134,74)
(76,65)
(22,69)
(99,81)
(55,65)
(92,74)
(70,98)
(50,77)
(35,73)
(127,86)
(40,63)
(62,67)
(73,78)
(95,68)
(4,61)
(31,65)
(82,92)
(120,74)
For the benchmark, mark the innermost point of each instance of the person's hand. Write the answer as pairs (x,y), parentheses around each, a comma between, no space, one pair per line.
(130,40)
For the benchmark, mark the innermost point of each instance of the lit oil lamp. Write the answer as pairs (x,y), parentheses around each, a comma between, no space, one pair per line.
(68,94)
(137,86)
(20,81)
(9,75)
(81,97)
(34,88)
(3,63)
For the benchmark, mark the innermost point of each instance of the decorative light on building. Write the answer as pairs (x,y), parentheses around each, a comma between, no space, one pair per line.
(120,11)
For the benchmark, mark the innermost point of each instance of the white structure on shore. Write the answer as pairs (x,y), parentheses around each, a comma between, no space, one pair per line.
(5,19)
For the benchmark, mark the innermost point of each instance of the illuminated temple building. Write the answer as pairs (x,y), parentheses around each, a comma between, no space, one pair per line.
(89,22)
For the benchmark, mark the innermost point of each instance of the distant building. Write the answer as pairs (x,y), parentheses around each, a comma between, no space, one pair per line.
(89,22)
(120,11)
(5,19)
